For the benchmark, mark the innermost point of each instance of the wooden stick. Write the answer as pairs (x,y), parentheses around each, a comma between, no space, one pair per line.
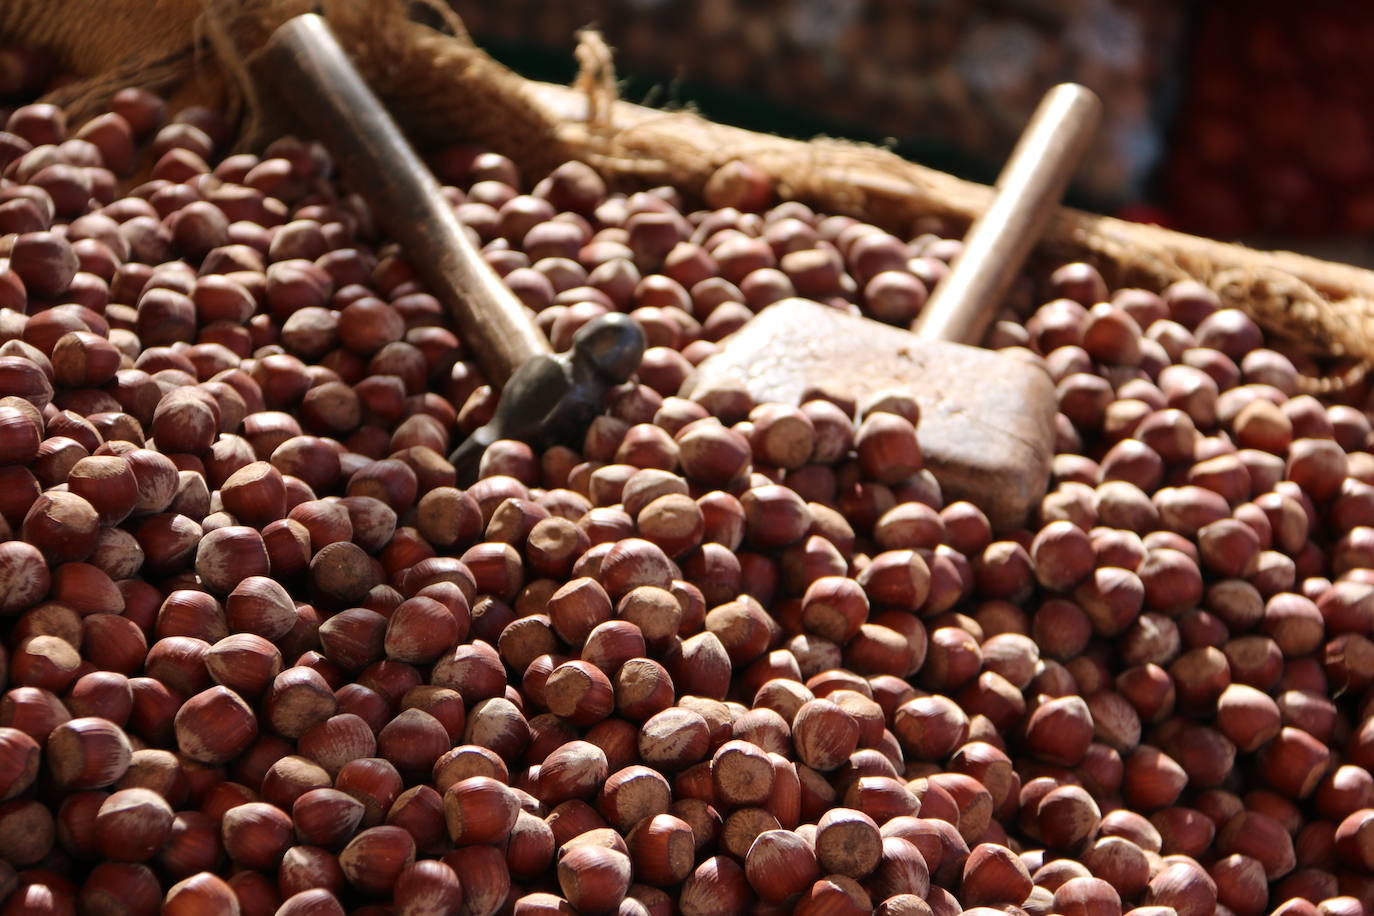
(1028,191)
(311,70)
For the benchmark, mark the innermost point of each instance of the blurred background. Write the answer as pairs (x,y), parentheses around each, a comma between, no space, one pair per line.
(1239,119)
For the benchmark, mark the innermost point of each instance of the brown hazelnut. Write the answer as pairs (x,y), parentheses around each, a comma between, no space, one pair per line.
(214,726)
(594,879)
(374,860)
(994,874)
(716,885)
(479,810)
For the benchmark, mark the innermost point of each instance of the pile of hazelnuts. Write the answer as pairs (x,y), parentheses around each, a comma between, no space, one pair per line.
(261,655)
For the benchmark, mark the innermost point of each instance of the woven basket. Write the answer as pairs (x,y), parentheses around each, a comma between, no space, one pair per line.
(442,89)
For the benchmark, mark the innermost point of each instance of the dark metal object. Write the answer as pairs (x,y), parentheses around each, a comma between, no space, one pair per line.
(551,400)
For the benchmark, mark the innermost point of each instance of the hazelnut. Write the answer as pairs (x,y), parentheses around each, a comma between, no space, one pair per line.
(87,753)
(1261,837)
(62,525)
(120,887)
(594,879)
(226,556)
(1067,817)
(1087,896)
(662,849)
(994,874)
(21,756)
(420,811)
(479,810)
(259,605)
(374,860)
(215,726)
(1185,887)
(256,834)
(1060,730)
(930,727)
(531,846)
(488,878)
(337,740)
(823,734)
(579,692)
(577,769)
(1120,862)
(202,893)
(132,825)
(848,842)
(902,869)
(243,662)
(716,885)
(427,884)
(325,817)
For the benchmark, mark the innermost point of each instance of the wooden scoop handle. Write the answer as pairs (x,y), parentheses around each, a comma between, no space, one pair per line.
(1027,194)
(307,66)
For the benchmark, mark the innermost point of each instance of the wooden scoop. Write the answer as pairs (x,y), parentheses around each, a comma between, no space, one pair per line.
(987,421)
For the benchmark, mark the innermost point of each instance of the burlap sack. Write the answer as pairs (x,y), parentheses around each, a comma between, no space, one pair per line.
(443,89)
